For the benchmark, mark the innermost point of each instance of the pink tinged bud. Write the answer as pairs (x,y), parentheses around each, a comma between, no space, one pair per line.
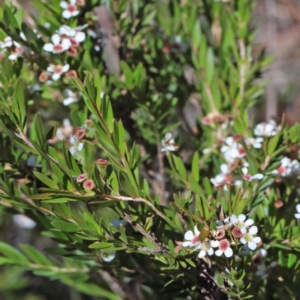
(236,232)
(220,234)
(224,245)
(101,162)
(81,177)
(89,184)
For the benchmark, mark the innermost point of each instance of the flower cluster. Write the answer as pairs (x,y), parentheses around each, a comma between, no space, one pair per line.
(267,129)
(241,230)
(287,167)
(88,184)
(15,49)
(235,156)
(71,8)
(66,39)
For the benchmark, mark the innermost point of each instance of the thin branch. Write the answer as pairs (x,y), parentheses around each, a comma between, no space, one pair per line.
(143,232)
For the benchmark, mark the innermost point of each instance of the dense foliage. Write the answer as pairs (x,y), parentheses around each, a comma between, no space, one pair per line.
(129,137)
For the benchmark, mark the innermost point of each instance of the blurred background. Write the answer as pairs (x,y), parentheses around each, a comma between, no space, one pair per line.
(278,34)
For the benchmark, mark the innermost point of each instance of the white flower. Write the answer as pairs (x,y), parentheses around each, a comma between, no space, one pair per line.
(70,9)
(297,216)
(223,178)
(23,221)
(287,167)
(58,46)
(250,178)
(74,35)
(108,256)
(224,247)
(168,143)
(71,97)
(7,43)
(57,70)
(192,239)
(241,223)
(249,238)
(255,142)
(267,129)
(232,149)
(64,131)
(77,145)
(206,248)
(18,52)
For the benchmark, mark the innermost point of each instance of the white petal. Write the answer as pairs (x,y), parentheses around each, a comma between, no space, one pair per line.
(55,39)
(234,218)
(63,4)
(224,149)
(197,232)
(257,239)
(214,244)
(224,169)
(229,140)
(243,230)
(210,251)
(75,13)
(189,235)
(257,176)
(68,101)
(66,14)
(298,208)
(72,1)
(55,76)
(242,240)
(219,252)
(186,244)
(66,68)
(245,171)
(48,47)
(228,252)
(22,36)
(50,69)
(249,222)
(80,37)
(12,56)
(234,153)
(201,254)
(252,245)
(242,218)
(66,44)
(72,150)
(253,230)
(297,216)
(80,146)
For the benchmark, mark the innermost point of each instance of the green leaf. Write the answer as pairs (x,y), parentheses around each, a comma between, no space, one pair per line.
(65,226)
(9,18)
(100,245)
(35,256)
(47,181)
(127,73)
(13,254)
(95,290)
(39,131)
(195,166)
(19,95)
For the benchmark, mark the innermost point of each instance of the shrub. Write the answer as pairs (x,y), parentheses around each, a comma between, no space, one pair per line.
(126,136)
